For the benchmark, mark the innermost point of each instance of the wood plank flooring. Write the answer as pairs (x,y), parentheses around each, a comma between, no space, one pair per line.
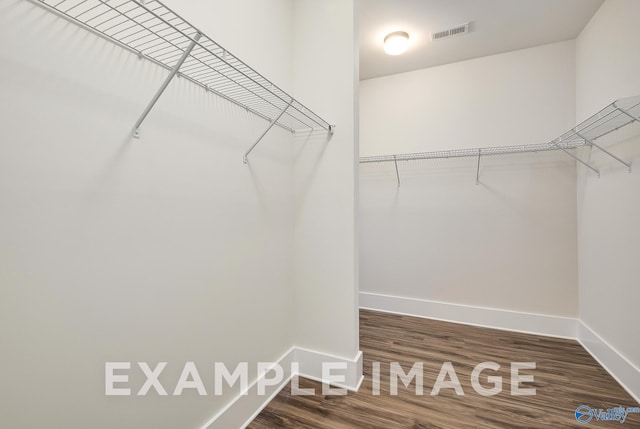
(566,377)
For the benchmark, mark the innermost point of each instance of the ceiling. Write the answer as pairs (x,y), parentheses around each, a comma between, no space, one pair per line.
(496,26)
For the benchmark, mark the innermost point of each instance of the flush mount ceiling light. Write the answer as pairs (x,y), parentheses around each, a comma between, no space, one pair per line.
(396,43)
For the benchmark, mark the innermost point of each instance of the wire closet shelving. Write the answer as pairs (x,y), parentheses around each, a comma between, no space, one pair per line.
(616,115)
(153,31)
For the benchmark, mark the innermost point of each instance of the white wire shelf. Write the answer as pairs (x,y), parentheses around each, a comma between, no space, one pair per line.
(473,152)
(616,115)
(153,31)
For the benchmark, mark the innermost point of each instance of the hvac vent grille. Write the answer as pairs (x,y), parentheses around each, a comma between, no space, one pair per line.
(451,32)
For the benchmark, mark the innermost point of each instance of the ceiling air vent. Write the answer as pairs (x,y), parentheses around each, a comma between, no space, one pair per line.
(451,32)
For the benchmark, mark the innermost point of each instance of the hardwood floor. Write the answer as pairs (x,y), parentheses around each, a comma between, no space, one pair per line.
(566,376)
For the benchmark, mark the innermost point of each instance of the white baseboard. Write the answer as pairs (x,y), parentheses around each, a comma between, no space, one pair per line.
(539,324)
(311,367)
(244,408)
(623,371)
(241,410)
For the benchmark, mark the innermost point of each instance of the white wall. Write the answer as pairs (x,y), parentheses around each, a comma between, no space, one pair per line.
(509,243)
(169,248)
(608,66)
(520,97)
(326,268)
(166,248)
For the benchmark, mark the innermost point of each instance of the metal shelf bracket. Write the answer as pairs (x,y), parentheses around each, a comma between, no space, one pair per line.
(245,159)
(165,84)
(626,112)
(478,168)
(395,161)
(590,142)
(555,142)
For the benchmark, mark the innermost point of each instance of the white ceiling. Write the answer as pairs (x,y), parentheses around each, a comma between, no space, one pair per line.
(497,26)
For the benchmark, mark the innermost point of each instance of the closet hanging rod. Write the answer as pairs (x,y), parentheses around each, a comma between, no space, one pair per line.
(153,31)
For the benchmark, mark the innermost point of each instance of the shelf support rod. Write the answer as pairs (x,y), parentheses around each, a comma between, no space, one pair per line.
(635,118)
(478,168)
(576,158)
(395,161)
(603,150)
(273,122)
(165,84)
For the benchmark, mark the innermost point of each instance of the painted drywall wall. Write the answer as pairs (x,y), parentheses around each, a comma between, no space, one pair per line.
(607,68)
(325,175)
(167,248)
(507,243)
(515,98)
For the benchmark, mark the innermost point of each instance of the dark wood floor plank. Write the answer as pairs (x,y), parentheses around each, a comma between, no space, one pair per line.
(566,376)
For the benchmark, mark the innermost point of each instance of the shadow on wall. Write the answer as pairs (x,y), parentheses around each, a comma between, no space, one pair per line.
(201,110)
(309,150)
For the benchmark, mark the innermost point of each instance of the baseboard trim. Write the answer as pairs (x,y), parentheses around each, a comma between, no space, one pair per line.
(242,409)
(311,361)
(245,407)
(529,323)
(623,371)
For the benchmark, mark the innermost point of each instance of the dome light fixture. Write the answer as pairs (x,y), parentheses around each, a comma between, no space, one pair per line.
(396,43)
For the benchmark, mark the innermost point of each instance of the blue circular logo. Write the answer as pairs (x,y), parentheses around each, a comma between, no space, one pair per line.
(583,414)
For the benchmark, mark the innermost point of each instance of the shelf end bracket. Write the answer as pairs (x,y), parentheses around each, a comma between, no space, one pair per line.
(245,159)
(478,167)
(589,141)
(395,161)
(635,118)
(165,84)
(576,158)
